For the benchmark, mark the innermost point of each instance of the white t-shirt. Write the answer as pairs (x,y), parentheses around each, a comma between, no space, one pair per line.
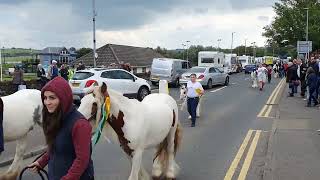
(192,89)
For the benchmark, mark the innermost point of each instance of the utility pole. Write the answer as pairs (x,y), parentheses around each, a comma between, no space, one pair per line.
(219,40)
(1,64)
(245,47)
(307,33)
(188,50)
(183,45)
(94,32)
(232,42)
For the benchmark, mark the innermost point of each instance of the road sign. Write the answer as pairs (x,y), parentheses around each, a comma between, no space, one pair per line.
(302,47)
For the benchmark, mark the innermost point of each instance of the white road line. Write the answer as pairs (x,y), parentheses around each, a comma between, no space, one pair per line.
(218,89)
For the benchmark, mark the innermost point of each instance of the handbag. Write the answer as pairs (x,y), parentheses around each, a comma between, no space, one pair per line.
(296,83)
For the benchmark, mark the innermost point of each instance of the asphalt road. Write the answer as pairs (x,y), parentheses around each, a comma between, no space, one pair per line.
(209,149)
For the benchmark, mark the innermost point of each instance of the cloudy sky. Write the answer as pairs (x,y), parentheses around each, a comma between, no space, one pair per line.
(146,23)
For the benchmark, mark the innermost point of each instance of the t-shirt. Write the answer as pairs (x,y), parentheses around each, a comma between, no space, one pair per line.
(261,70)
(193,88)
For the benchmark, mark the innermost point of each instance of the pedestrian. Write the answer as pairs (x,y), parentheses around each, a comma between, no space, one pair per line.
(262,76)
(64,72)
(315,65)
(292,78)
(312,81)
(17,79)
(81,66)
(302,70)
(270,73)
(70,72)
(194,91)
(67,134)
(41,76)
(54,70)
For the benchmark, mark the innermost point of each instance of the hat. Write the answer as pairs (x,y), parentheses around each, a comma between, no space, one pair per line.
(54,61)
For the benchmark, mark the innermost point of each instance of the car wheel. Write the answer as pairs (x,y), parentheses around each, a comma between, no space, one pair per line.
(143,92)
(226,82)
(209,84)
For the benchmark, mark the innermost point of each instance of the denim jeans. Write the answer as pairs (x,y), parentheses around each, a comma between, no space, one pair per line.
(312,97)
(192,108)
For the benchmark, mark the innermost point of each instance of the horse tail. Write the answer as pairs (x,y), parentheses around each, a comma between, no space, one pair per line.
(37,116)
(177,138)
(163,87)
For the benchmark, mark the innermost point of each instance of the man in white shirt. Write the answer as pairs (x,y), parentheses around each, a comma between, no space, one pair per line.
(194,91)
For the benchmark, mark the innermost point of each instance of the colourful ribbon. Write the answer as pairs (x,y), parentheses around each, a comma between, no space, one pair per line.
(105,115)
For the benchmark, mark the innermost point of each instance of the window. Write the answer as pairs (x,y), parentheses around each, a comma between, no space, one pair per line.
(110,75)
(218,60)
(207,60)
(67,59)
(82,75)
(134,70)
(184,65)
(123,75)
(144,70)
(218,70)
(212,70)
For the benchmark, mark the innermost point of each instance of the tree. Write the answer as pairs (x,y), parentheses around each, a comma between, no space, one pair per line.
(290,24)
(83,51)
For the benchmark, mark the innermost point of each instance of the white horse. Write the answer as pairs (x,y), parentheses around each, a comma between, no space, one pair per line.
(254,79)
(183,98)
(21,112)
(137,126)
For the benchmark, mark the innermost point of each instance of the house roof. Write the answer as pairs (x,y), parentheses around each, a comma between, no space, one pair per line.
(112,53)
(52,50)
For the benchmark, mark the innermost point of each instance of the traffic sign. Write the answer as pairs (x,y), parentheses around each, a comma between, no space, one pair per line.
(302,47)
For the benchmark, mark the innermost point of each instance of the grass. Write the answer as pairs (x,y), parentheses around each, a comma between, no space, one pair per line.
(17,59)
(26,77)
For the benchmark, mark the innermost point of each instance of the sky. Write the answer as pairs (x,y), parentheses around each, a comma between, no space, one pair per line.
(144,23)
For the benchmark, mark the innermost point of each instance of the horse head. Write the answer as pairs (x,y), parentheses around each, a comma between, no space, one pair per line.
(183,92)
(92,103)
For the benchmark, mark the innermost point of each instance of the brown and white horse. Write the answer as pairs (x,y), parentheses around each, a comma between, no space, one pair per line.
(21,112)
(136,126)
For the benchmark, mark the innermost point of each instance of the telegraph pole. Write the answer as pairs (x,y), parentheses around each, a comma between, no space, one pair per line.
(94,32)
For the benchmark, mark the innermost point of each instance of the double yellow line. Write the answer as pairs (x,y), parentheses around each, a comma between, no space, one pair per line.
(266,110)
(248,159)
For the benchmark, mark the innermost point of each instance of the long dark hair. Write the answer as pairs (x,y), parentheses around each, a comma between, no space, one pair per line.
(51,125)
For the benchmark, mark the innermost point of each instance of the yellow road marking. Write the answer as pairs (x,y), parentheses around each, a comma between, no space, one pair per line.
(276,95)
(236,160)
(247,161)
(268,111)
(274,91)
(262,111)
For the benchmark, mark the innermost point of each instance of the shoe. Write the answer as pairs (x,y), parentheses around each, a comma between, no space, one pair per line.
(193,125)
(198,116)
(308,105)
(260,89)
(189,117)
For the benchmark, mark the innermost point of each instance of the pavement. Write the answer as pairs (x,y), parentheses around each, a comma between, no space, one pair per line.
(295,144)
(231,140)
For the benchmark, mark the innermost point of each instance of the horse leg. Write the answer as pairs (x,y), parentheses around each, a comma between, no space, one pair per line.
(172,167)
(136,165)
(18,158)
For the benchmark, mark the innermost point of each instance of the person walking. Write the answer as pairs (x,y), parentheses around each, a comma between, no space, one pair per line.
(64,72)
(270,73)
(70,72)
(194,91)
(312,81)
(292,78)
(302,71)
(67,134)
(41,76)
(17,78)
(316,67)
(262,76)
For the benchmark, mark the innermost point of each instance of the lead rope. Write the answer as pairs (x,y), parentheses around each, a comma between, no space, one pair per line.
(105,115)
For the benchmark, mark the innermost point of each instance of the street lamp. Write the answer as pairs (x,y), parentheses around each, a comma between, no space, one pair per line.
(188,50)
(1,64)
(219,40)
(254,49)
(232,41)
(183,45)
(94,32)
(245,46)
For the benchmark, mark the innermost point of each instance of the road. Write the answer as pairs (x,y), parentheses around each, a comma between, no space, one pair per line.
(229,141)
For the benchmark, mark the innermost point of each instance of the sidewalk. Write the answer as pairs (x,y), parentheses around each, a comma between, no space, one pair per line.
(294,146)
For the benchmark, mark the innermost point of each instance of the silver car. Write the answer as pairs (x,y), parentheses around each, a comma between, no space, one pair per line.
(207,76)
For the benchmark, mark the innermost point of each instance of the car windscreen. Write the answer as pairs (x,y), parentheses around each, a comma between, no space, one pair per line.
(197,70)
(82,75)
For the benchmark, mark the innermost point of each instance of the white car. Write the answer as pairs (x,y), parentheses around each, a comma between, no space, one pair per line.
(117,79)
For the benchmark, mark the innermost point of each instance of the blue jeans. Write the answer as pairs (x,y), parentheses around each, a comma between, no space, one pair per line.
(312,96)
(192,108)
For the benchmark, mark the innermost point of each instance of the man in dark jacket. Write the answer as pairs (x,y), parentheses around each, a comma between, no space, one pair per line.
(312,84)
(292,78)
(315,65)
(64,72)
(302,70)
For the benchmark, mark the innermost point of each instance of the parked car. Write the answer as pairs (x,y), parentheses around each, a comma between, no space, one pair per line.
(117,79)
(207,76)
(168,69)
(249,68)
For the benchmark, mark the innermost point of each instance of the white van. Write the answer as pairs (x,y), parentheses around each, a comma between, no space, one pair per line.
(211,58)
(168,69)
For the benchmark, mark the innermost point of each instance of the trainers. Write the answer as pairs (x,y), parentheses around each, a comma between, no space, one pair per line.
(189,117)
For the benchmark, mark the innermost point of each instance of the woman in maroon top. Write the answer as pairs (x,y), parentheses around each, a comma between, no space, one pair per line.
(67,134)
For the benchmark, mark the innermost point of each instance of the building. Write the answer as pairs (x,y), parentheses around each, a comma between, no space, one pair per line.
(61,54)
(139,58)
